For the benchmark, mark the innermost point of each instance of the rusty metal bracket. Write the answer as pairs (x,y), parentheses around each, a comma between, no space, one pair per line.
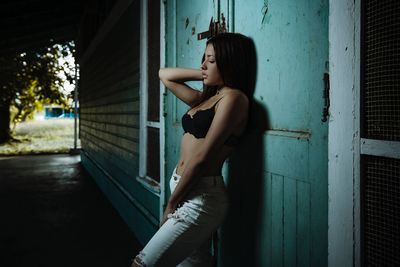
(325,112)
(214,28)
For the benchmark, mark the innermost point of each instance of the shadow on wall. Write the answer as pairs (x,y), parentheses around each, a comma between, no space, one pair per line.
(242,230)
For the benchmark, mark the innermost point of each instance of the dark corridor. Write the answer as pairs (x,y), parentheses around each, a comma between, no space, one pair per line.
(53,214)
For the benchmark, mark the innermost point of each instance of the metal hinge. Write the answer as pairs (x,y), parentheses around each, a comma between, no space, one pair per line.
(325,112)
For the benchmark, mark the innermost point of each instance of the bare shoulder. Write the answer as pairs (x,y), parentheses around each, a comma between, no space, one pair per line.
(236,98)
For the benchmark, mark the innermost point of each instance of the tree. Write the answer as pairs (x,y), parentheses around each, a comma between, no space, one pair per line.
(31,79)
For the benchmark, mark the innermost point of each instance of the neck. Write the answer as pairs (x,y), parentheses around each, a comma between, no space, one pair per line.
(222,89)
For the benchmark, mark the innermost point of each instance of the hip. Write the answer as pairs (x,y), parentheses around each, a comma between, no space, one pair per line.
(207,199)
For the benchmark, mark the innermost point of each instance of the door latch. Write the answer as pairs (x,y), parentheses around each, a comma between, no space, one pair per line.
(214,28)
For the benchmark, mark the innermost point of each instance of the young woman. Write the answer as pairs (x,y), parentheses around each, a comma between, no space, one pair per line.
(217,118)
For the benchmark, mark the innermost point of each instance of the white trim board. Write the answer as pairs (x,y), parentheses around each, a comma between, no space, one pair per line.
(343,137)
(143,88)
(162,105)
(381,148)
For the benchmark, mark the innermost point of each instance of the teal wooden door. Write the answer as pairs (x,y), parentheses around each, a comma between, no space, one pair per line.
(282,187)
(291,39)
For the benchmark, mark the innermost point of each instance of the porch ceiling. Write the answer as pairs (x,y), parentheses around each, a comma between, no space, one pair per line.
(32,24)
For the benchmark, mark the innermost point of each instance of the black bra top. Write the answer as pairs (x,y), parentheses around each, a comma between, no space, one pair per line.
(200,123)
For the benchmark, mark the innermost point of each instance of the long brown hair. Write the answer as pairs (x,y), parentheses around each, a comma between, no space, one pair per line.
(235,55)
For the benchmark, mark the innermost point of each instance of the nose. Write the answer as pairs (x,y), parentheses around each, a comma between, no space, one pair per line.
(203,66)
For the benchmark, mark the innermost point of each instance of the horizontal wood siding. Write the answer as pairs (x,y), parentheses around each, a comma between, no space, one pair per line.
(109,117)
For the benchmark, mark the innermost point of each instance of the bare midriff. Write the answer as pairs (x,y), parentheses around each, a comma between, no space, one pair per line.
(191,144)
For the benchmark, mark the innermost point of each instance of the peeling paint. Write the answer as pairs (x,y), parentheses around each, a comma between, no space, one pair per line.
(186,22)
(264,11)
(193,30)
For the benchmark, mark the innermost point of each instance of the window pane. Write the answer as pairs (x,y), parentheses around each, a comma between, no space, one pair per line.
(153,153)
(153,60)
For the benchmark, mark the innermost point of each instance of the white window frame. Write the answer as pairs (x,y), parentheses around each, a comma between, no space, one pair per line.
(147,182)
(143,93)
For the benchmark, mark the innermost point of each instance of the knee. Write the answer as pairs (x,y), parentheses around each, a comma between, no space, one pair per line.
(135,263)
(138,261)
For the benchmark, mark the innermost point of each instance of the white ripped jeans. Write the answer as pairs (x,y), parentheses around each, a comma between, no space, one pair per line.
(185,238)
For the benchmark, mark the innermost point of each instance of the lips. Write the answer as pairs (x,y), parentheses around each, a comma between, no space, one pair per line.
(204,75)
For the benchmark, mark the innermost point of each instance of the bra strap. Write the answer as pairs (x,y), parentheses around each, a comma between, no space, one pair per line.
(216,102)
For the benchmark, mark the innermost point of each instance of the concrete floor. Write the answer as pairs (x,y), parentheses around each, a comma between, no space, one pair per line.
(53,214)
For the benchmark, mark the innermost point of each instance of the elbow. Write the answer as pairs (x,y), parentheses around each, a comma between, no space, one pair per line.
(161,73)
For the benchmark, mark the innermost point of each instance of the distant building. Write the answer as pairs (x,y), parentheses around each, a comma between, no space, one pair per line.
(55,111)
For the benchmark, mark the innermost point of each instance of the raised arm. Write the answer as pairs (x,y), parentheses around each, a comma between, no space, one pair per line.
(174,79)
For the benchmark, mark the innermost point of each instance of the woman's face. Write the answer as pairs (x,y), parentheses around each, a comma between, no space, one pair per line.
(209,69)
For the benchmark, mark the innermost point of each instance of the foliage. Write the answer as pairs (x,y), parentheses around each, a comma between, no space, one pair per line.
(46,136)
(33,79)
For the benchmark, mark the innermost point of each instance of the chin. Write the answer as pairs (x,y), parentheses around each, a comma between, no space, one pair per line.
(209,83)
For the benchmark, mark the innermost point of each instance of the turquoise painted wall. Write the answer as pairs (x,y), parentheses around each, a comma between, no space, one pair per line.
(277,178)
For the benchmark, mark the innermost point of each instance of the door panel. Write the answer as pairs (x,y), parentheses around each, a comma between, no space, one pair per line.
(291,39)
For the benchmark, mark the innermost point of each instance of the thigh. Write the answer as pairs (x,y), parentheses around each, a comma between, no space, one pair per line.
(199,257)
(173,242)
(187,229)
(164,248)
